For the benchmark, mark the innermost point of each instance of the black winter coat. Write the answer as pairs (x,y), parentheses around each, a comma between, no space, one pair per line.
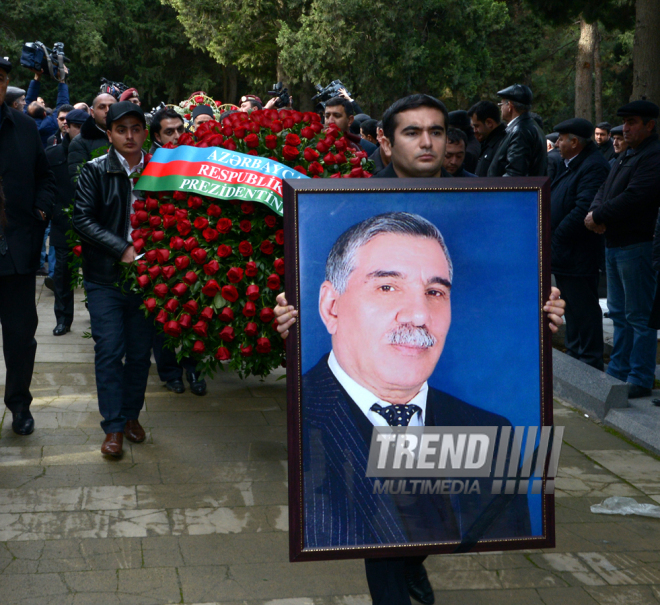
(555,164)
(575,249)
(472,153)
(101,214)
(61,222)
(627,203)
(523,152)
(29,186)
(91,137)
(488,149)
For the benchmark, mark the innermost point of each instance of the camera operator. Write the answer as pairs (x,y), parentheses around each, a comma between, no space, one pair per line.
(166,127)
(29,191)
(339,111)
(249,103)
(92,134)
(46,124)
(15,98)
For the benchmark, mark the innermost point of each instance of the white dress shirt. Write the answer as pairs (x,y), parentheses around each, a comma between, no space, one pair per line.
(365,398)
(509,126)
(131,170)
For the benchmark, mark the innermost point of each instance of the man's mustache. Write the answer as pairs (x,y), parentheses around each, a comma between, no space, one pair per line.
(411,336)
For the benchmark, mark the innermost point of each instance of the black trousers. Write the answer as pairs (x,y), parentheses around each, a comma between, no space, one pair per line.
(18,316)
(584,318)
(168,367)
(387,579)
(63,291)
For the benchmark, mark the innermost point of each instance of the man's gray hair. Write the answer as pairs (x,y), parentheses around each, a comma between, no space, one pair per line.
(341,260)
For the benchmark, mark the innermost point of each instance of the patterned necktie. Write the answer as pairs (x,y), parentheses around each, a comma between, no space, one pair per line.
(397,415)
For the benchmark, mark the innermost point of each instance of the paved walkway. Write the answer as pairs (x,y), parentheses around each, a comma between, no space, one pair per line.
(198,513)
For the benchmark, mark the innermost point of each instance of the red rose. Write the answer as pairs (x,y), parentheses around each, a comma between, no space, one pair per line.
(172,328)
(199,255)
(201,223)
(252,292)
(288,123)
(245,226)
(179,196)
(190,244)
(168,271)
(181,262)
(206,314)
(270,141)
(246,351)
(300,169)
(252,329)
(211,288)
(141,216)
(151,204)
(315,168)
(292,139)
(160,290)
(143,281)
(290,153)
(195,202)
(329,158)
(356,173)
(162,316)
(234,275)
(191,306)
(167,209)
(154,272)
(211,268)
(180,289)
(276,126)
(201,328)
(279,236)
(169,221)
(227,334)
(267,247)
(266,315)
(210,235)
(176,242)
(310,154)
(279,266)
(141,267)
(229,144)
(245,248)
(250,309)
(180,214)
(322,147)
(214,210)
(77,250)
(184,227)
(155,221)
(151,256)
(340,145)
(138,205)
(222,354)
(240,133)
(273,281)
(198,347)
(190,278)
(307,133)
(224,225)
(185,321)
(250,269)
(150,304)
(263,346)
(157,236)
(270,220)
(224,251)
(247,207)
(226,315)
(172,305)
(252,141)
(230,293)
(199,99)
(163,255)
(227,130)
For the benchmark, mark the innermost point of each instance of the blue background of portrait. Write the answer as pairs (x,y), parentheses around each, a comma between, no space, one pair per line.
(491,355)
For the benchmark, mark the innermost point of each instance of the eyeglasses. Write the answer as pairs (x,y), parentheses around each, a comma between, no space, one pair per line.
(503,103)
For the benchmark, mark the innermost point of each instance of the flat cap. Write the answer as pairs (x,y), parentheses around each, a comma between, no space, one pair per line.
(76,116)
(552,137)
(577,126)
(643,109)
(5,64)
(518,93)
(121,109)
(617,130)
(604,126)
(13,93)
(460,119)
(202,110)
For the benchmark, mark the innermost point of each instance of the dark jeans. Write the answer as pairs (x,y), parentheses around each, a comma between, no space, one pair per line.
(119,329)
(63,291)
(387,579)
(584,318)
(630,294)
(18,316)
(168,367)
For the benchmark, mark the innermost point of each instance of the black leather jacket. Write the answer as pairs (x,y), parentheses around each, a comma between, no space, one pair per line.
(101,216)
(522,152)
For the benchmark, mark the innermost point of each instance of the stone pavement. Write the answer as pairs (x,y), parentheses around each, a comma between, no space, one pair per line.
(198,513)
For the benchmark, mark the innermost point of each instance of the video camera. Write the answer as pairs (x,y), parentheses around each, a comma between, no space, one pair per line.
(112,88)
(325,94)
(281,93)
(37,56)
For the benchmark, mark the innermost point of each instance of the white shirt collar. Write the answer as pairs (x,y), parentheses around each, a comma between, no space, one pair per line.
(511,123)
(128,169)
(364,398)
(567,162)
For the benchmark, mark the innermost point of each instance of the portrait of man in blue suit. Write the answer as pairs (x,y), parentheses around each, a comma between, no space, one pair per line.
(386,303)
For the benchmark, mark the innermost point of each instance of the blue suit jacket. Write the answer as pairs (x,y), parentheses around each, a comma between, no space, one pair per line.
(339,504)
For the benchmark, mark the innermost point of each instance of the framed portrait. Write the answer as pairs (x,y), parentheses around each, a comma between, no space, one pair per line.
(419,370)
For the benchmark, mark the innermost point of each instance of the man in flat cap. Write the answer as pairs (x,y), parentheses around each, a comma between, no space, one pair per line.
(29,191)
(523,150)
(201,114)
(15,98)
(625,209)
(603,138)
(618,143)
(555,163)
(577,251)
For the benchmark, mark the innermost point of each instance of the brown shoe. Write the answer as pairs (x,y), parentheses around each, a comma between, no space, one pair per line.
(112,444)
(134,432)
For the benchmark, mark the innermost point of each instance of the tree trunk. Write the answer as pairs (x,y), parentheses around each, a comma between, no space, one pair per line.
(646,51)
(232,85)
(598,79)
(584,69)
